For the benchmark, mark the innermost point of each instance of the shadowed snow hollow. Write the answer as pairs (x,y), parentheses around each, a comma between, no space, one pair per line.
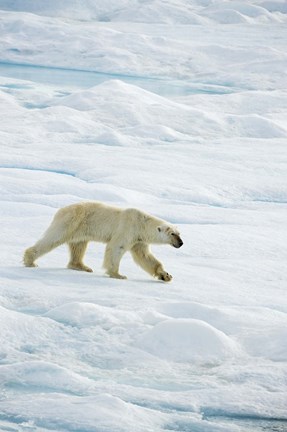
(184,340)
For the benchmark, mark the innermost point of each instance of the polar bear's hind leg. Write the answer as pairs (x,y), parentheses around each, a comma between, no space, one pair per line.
(77,252)
(41,248)
(30,257)
(55,235)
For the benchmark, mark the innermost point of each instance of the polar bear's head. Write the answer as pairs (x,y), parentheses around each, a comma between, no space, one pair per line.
(170,235)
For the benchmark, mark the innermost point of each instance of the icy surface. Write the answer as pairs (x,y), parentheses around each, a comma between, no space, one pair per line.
(178,108)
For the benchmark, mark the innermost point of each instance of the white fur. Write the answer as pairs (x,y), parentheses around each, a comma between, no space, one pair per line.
(121,229)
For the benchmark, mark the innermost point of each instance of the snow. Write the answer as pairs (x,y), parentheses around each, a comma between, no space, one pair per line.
(177,108)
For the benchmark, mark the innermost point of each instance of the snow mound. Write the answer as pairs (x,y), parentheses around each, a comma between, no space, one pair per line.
(87,314)
(110,90)
(255,126)
(113,138)
(155,132)
(101,412)
(127,10)
(218,318)
(183,340)
(141,113)
(14,323)
(189,310)
(237,12)
(275,6)
(132,107)
(165,12)
(37,374)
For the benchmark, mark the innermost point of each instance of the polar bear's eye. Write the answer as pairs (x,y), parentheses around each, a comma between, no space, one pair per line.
(173,234)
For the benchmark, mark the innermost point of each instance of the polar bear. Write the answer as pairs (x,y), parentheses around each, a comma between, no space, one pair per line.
(121,229)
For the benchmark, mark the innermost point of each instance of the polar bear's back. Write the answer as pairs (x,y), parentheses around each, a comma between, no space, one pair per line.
(96,221)
(90,220)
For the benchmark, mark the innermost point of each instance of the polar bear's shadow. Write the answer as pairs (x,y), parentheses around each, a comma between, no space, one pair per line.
(63,276)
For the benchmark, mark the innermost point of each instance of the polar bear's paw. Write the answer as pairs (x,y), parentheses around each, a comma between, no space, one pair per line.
(31,264)
(164,276)
(116,275)
(80,267)
(29,257)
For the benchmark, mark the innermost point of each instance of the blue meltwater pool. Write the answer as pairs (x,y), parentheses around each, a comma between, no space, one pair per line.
(84,79)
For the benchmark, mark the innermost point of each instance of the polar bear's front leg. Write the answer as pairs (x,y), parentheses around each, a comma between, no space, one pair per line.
(113,255)
(146,260)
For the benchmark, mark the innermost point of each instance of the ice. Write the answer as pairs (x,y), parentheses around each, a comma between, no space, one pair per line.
(177,108)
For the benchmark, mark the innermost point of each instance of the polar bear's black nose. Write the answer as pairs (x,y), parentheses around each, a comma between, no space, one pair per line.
(178,243)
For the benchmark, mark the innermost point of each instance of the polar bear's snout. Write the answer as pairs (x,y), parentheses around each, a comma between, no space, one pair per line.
(176,241)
